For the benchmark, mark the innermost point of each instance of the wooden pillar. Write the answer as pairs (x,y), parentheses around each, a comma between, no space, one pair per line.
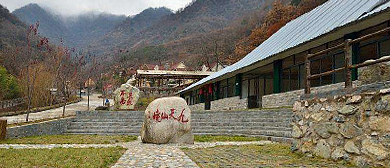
(277,76)
(3,129)
(238,85)
(307,67)
(348,63)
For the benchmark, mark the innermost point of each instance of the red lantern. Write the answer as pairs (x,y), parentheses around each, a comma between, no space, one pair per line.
(210,89)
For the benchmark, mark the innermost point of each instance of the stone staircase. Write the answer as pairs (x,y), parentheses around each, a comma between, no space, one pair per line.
(271,124)
(106,123)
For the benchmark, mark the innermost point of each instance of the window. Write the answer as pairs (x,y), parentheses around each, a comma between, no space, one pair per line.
(368,52)
(385,48)
(286,80)
(269,84)
(294,78)
(223,89)
(339,61)
(315,68)
(231,87)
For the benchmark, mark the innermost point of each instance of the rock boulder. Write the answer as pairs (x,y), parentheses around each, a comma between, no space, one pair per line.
(126,97)
(167,120)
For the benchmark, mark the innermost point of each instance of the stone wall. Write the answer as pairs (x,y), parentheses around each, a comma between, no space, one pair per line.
(231,103)
(287,99)
(54,127)
(353,127)
(197,107)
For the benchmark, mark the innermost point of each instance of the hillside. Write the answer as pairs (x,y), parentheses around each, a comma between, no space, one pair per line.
(228,44)
(201,16)
(130,27)
(12,30)
(75,31)
(51,25)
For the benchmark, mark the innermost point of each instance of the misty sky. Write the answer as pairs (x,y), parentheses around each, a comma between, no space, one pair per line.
(72,7)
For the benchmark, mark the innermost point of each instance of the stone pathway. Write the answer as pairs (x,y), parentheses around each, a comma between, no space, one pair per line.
(139,154)
(51,146)
(57,112)
(151,155)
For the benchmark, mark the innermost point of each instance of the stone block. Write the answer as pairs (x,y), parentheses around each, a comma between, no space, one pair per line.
(3,129)
(376,150)
(323,149)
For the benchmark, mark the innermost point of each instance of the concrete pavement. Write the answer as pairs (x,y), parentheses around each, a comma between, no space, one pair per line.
(57,112)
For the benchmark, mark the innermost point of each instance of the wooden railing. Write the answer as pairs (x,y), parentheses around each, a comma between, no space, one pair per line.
(11,103)
(347,47)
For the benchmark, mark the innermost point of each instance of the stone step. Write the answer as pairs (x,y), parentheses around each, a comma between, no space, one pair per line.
(246,114)
(244,120)
(88,133)
(73,127)
(109,120)
(103,131)
(273,124)
(270,138)
(286,134)
(240,117)
(105,123)
(200,128)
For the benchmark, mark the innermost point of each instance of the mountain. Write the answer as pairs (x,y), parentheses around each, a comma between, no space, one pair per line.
(74,31)
(132,26)
(50,25)
(12,30)
(201,16)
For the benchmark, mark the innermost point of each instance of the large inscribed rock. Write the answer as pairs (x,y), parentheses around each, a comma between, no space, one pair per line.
(126,97)
(167,120)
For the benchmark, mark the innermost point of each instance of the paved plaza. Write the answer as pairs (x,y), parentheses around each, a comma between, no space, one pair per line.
(139,154)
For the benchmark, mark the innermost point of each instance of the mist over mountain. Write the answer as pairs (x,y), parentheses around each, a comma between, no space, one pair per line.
(12,30)
(74,31)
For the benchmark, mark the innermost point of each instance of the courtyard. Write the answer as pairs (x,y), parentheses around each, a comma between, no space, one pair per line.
(129,151)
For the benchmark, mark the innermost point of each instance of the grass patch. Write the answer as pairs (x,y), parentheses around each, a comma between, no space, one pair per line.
(71,139)
(213,138)
(60,157)
(270,155)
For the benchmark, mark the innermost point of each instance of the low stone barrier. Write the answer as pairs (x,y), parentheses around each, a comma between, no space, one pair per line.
(354,127)
(3,129)
(54,127)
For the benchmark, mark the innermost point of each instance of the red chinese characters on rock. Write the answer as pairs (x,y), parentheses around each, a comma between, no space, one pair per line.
(159,116)
(129,100)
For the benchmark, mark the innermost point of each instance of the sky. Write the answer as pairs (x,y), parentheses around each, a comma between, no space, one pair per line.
(74,7)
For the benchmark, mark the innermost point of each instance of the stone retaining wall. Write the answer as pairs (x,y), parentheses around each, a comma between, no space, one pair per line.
(354,127)
(287,99)
(231,103)
(54,127)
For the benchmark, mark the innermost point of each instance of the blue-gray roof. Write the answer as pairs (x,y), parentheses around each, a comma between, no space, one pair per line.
(319,21)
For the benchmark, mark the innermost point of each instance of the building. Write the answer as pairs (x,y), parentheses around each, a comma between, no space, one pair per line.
(273,75)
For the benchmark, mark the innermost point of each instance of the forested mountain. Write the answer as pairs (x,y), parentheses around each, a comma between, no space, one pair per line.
(201,16)
(51,25)
(130,27)
(204,31)
(12,30)
(75,31)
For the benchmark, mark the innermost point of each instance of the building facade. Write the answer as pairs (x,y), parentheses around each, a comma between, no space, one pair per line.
(273,75)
